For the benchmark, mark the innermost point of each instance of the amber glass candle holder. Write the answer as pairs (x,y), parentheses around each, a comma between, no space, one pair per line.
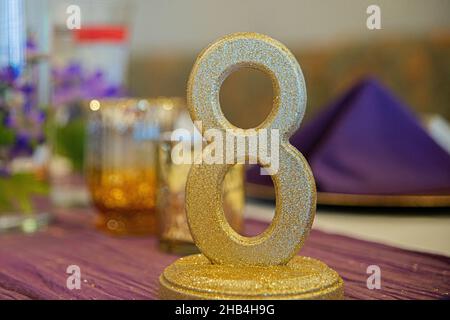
(174,233)
(121,161)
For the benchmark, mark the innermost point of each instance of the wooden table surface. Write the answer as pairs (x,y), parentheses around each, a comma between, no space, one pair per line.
(34,266)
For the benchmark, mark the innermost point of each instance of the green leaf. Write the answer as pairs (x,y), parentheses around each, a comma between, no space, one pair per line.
(6,136)
(70,141)
(17,190)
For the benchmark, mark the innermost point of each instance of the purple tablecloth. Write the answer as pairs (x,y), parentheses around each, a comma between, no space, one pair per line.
(34,266)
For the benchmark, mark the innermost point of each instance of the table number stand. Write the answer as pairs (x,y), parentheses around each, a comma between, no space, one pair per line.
(265,266)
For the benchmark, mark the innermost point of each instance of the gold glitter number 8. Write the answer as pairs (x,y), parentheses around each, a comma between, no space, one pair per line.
(294,183)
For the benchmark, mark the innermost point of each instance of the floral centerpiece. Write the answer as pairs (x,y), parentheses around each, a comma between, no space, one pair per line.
(72,86)
(23,153)
(25,129)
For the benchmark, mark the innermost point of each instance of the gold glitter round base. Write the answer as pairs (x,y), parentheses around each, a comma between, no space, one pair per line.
(195,277)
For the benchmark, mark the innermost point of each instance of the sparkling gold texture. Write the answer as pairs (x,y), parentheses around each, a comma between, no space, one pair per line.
(294,183)
(195,277)
(264,266)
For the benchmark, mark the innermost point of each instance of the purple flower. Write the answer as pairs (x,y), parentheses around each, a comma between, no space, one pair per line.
(31,46)
(22,146)
(27,89)
(8,75)
(73,84)
(20,116)
(19,113)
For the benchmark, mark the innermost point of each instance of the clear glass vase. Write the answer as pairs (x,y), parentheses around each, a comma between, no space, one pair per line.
(88,63)
(24,91)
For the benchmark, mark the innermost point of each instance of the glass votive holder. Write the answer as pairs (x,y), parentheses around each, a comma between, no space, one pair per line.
(121,161)
(174,233)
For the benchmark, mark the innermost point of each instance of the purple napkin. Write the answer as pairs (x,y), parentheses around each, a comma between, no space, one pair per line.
(368,142)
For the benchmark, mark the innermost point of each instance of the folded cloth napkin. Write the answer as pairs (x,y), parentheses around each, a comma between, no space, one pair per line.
(369,142)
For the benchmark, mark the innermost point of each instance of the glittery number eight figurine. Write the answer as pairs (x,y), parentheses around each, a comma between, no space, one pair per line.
(294,183)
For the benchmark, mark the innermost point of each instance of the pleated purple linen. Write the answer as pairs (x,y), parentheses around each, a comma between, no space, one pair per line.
(34,266)
(369,142)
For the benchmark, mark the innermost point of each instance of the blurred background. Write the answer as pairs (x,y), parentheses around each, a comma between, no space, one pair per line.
(80,79)
(329,38)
